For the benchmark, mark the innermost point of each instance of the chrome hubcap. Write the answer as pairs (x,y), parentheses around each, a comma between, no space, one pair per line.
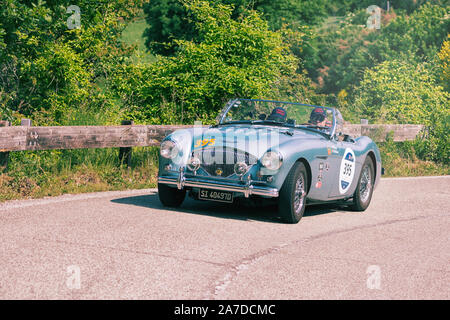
(299,193)
(366,184)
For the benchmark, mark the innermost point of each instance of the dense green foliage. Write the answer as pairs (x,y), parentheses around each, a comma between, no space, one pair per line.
(342,7)
(236,57)
(443,73)
(385,94)
(50,72)
(400,92)
(347,49)
(170,19)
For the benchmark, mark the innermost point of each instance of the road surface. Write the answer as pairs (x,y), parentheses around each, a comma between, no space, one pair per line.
(125,245)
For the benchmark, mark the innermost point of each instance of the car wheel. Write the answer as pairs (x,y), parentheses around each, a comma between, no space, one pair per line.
(170,197)
(292,198)
(364,189)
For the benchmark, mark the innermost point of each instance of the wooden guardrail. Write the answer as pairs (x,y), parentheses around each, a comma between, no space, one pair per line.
(127,135)
(21,138)
(380,132)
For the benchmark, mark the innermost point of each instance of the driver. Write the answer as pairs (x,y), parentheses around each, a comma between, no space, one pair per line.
(318,117)
(278,114)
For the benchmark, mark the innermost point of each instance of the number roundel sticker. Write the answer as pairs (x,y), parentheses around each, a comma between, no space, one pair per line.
(347,170)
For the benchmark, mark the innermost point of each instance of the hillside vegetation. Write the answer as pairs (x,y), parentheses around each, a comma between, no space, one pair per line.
(177,61)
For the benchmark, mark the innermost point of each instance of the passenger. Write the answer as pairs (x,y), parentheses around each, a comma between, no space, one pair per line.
(318,117)
(278,114)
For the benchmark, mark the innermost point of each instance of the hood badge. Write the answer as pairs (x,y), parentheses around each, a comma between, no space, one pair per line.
(219,171)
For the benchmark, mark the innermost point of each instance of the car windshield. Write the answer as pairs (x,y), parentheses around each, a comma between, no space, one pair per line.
(276,113)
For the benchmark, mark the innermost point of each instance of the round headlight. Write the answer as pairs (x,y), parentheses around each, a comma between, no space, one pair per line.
(240,168)
(193,164)
(169,149)
(272,160)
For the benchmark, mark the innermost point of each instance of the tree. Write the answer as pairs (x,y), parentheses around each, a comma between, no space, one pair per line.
(401,92)
(347,49)
(169,20)
(444,57)
(235,58)
(49,71)
(277,13)
(343,7)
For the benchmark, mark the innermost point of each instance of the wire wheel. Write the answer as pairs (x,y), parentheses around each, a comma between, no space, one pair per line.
(292,198)
(366,184)
(299,196)
(364,189)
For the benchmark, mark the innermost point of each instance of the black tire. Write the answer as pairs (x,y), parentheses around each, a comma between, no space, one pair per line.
(362,196)
(289,212)
(170,197)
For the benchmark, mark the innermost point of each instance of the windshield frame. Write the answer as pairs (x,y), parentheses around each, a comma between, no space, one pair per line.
(220,118)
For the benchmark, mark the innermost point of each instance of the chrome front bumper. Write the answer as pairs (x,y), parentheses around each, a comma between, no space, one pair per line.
(248,188)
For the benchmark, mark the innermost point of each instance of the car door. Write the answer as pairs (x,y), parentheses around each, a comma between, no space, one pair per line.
(343,160)
(321,173)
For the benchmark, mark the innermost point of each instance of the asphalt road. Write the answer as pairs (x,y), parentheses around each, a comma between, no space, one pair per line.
(124,245)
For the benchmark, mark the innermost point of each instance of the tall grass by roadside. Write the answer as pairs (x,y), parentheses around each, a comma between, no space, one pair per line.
(36,174)
(400,160)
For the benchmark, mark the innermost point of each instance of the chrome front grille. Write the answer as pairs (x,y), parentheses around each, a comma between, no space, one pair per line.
(220,161)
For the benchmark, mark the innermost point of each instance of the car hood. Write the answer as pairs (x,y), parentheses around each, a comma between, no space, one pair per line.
(249,138)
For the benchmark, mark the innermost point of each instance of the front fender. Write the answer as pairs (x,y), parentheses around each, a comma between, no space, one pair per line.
(293,151)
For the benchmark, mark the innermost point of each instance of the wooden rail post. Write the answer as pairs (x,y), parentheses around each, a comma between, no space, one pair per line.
(4,156)
(125,153)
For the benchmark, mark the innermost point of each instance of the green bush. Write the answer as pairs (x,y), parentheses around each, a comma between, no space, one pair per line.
(236,58)
(48,70)
(403,92)
(170,20)
(345,48)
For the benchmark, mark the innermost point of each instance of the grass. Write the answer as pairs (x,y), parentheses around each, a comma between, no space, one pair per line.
(399,161)
(52,173)
(133,35)
(401,167)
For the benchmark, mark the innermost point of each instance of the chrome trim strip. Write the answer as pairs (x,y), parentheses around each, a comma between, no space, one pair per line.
(247,189)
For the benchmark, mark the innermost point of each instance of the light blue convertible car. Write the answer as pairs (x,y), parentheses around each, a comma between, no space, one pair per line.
(290,152)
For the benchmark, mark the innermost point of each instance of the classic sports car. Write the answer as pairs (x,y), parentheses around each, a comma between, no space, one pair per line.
(293,153)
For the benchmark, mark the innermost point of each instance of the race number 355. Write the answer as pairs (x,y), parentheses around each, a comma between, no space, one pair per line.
(204,143)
